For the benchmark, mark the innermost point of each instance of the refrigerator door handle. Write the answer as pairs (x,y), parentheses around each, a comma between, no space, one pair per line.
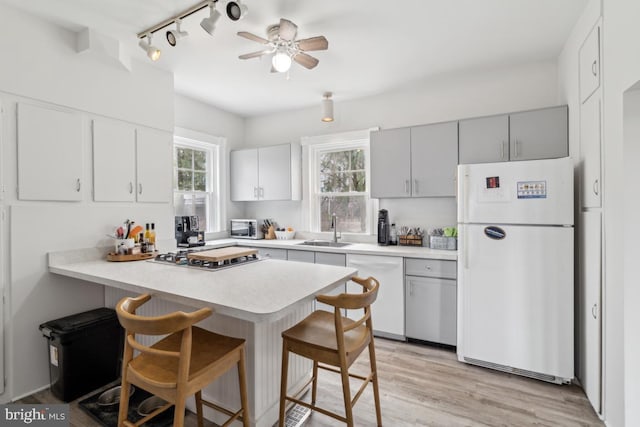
(465,253)
(465,197)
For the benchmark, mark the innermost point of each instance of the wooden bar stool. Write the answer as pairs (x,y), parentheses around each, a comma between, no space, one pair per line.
(336,341)
(179,365)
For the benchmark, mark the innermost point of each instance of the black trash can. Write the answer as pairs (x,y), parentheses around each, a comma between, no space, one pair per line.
(84,352)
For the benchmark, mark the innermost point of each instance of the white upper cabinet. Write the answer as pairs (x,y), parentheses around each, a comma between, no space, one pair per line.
(590,64)
(414,162)
(484,140)
(391,163)
(539,134)
(153,166)
(49,154)
(266,173)
(131,164)
(434,159)
(114,162)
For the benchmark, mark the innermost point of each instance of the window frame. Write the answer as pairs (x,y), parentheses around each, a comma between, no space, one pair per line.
(212,147)
(316,146)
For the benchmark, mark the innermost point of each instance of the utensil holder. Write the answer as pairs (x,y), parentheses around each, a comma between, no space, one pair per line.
(410,240)
(441,242)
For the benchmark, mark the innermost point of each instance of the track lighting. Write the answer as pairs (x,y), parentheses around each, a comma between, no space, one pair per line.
(152,52)
(209,24)
(281,61)
(236,10)
(174,35)
(327,107)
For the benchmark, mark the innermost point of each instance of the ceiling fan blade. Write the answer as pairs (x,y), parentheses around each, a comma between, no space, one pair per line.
(287,30)
(254,54)
(313,43)
(305,60)
(252,37)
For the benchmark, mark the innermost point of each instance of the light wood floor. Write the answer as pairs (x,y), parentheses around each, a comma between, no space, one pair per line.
(427,386)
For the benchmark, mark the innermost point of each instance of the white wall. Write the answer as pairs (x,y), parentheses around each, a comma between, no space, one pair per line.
(447,97)
(621,72)
(39,64)
(631,256)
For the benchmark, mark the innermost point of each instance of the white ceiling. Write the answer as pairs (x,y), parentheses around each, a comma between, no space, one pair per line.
(374,45)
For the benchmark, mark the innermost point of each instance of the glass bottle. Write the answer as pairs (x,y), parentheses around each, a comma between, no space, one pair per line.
(393,235)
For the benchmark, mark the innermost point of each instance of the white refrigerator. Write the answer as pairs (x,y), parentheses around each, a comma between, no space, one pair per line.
(515,267)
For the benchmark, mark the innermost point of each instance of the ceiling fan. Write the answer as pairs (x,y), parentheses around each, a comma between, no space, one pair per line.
(281,41)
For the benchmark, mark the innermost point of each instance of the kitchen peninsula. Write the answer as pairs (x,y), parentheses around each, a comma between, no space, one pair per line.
(255,301)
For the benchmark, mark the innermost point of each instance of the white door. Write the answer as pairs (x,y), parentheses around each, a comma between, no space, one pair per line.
(49,154)
(153,166)
(589,306)
(388,310)
(274,172)
(243,165)
(114,161)
(516,297)
(528,192)
(590,142)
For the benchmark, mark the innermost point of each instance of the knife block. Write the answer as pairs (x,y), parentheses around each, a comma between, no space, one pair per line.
(271,233)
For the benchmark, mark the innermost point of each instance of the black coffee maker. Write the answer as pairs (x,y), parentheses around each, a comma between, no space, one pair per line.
(188,233)
(383,227)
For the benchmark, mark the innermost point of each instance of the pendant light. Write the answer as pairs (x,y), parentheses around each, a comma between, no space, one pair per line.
(327,107)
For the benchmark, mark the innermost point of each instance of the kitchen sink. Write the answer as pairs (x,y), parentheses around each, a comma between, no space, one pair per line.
(327,243)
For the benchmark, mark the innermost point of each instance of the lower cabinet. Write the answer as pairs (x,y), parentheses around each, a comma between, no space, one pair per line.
(272,253)
(430,300)
(388,310)
(329,258)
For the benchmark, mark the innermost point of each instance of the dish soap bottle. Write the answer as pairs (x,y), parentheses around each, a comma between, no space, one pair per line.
(393,235)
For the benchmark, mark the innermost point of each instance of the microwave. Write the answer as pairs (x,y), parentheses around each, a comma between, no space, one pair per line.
(246,229)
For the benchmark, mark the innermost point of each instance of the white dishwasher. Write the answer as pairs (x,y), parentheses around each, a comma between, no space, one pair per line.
(388,310)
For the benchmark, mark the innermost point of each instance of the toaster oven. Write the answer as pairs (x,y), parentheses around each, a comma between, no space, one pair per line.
(246,229)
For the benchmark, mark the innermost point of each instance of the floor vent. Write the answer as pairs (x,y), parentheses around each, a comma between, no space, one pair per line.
(517,371)
(297,415)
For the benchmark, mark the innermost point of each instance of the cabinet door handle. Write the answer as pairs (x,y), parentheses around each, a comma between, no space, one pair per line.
(78,185)
(594,67)
(515,147)
(415,186)
(594,311)
(255,192)
(406,186)
(140,188)
(261,192)
(130,187)
(410,288)
(595,187)
(502,150)
(428,268)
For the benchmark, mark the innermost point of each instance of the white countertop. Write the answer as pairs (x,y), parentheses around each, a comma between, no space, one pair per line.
(353,248)
(264,290)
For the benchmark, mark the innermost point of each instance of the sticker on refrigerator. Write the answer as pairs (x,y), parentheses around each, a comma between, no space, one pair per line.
(495,233)
(493,182)
(532,189)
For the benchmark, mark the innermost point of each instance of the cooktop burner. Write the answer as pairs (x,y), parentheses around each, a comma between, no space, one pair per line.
(179,258)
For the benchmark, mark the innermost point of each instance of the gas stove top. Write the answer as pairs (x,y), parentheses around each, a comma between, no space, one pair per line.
(180,258)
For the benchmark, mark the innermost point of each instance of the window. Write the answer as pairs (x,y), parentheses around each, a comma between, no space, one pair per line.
(339,183)
(194,182)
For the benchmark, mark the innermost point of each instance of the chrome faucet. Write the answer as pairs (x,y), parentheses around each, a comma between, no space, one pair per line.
(334,225)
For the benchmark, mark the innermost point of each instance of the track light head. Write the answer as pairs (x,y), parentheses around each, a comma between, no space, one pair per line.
(236,10)
(174,35)
(152,52)
(209,24)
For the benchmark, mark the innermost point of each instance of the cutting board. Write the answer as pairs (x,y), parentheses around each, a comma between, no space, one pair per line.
(222,254)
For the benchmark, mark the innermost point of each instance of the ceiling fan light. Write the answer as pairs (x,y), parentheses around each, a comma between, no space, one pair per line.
(327,108)
(152,52)
(174,35)
(209,24)
(236,10)
(281,61)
